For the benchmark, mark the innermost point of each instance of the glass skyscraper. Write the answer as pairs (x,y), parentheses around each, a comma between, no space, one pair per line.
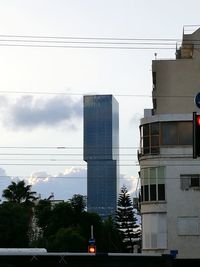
(101,152)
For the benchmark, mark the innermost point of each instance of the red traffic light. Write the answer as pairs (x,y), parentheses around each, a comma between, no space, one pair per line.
(198,120)
(196,135)
(91,249)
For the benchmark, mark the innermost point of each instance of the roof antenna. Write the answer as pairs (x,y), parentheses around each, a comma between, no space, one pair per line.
(155,54)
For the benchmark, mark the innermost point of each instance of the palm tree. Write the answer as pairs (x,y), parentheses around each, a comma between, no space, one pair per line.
(19,193)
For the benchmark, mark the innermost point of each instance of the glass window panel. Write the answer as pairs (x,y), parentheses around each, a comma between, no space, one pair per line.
(154,128)
(146,141)
(152,175)
(185,133)
(146,150)
(169,133)
(152,192)
(161,175)
(146,176)
(154,140)
(146,193)
(146,129)
(161,192)
(142,193)
(195,181)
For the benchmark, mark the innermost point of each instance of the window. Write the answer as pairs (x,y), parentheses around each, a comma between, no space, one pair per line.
(154,231)
(160,134)
(190,181)
(169,133)
(152,184)
(176,133)
(150,138)
(188,226)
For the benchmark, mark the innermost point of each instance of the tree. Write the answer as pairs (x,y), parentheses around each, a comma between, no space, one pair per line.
(43,213)
(67,240)
(19,193)
(126,220)
(111,237)
(14,225)
(78,203)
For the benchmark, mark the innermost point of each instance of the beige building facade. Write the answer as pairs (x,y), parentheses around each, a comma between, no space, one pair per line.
(170,177)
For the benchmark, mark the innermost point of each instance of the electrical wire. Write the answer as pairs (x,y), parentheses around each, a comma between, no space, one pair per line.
(81,94)
(87,42)
(86,38)
(92,42)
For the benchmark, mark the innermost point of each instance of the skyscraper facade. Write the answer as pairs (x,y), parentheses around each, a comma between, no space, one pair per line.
(101,152)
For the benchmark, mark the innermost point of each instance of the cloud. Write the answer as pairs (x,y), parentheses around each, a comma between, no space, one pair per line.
(29,112)
(130,182)
(69,182)
(63,185)
(4,181)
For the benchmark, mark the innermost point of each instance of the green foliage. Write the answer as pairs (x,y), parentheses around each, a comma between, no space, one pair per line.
(19,193)
(65,226)
(43,213)
(14,225)
(126,220)
(78,203)
(67,240)
(111,237)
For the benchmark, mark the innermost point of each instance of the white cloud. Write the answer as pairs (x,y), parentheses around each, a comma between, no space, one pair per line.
(63,185)
(38,177)
(28,112)
(130,182)
(4,180)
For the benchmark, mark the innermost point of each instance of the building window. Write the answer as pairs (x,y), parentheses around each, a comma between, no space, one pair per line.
(150,138)
(188,226)
(162,134)
(154,230)
(152,184)
(176,133)
(190,181)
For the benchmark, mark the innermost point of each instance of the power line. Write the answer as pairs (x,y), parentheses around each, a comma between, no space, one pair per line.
(62,147)
(87,38)
(92,42)
(87,42)
(88,47)
(85,177)
(84,165)
(81,94)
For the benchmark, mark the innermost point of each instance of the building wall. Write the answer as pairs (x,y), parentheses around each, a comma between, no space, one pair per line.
(171,220)
(177,81)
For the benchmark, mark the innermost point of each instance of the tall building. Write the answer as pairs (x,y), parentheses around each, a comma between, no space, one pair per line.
(170,177)
(101,152)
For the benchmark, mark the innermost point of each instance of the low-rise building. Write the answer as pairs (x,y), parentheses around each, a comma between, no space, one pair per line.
(170,177)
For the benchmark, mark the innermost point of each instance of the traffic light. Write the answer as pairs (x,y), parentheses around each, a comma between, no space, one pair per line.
(196,135)
(92,248)
(92,245)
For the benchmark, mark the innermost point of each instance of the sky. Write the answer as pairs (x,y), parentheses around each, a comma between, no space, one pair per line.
(41,88)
